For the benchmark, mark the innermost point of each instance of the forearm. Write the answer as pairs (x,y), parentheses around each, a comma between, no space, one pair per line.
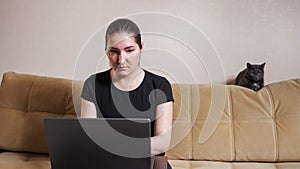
(160,143)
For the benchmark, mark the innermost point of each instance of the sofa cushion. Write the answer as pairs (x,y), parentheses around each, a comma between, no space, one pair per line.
(185,164)
(286,107)
(253,126)
(25,100)
(181,143)
(12,160)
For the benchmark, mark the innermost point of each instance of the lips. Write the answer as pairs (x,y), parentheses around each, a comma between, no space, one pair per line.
(122,68)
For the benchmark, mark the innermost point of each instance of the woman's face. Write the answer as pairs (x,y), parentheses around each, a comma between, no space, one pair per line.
(123,53)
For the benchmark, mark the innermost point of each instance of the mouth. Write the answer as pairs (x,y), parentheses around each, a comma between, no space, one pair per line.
(122,68)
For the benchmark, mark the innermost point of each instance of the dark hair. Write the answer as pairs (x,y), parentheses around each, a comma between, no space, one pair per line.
(124,25)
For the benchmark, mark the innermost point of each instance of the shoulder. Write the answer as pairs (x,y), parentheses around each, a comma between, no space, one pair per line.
(154,77)
(157,80)
(102,77)
(91,78)
(161,83)
(97,77)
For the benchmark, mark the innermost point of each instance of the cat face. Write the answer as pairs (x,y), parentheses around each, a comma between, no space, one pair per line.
(255,72)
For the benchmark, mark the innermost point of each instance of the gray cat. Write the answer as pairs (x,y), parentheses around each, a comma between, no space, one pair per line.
(252,77)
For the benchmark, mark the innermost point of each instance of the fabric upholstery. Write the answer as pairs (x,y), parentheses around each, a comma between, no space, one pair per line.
(25,100)
(191,164)
(11,160)
(214,126)
(255,126)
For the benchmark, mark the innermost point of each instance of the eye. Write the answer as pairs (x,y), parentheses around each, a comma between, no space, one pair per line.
(113,52)
(129,50)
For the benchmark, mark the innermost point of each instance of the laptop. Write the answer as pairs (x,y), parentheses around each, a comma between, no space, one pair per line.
(96,143)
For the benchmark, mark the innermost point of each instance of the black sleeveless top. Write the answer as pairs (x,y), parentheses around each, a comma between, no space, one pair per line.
(141,102)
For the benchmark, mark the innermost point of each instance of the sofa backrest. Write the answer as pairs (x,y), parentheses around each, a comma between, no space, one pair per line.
(25,100)
(250,126)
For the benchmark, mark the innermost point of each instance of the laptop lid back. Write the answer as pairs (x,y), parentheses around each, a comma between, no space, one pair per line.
(98,143)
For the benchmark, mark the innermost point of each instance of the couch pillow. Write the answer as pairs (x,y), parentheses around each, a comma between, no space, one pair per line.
(25,100)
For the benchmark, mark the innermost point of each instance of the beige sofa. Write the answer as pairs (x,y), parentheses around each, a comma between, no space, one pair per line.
(217,127)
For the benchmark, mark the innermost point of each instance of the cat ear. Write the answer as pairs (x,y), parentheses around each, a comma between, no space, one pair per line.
(263,65)
(248,65)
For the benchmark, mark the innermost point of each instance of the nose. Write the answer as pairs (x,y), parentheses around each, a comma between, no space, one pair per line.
(121,58)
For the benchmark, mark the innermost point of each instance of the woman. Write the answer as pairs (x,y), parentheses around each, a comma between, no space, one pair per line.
(123,47)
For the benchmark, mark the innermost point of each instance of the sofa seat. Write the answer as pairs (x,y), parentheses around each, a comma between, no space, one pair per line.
(15,160)
(187,164)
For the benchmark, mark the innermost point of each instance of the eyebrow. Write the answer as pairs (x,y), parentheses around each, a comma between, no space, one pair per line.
(128,47)
(113,48)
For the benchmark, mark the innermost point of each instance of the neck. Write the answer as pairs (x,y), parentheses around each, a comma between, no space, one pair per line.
(130,82)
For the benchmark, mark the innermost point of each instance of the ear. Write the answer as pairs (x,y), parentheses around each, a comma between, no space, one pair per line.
(143,45)
(249,65)
(263,65)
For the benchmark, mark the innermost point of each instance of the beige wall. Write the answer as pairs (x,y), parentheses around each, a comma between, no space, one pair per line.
(52,37)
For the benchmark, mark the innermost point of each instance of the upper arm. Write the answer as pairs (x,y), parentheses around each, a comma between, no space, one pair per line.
(164,116)
(88,99)
(88,109)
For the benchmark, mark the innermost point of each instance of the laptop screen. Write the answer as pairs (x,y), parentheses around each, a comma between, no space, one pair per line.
(98,143)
